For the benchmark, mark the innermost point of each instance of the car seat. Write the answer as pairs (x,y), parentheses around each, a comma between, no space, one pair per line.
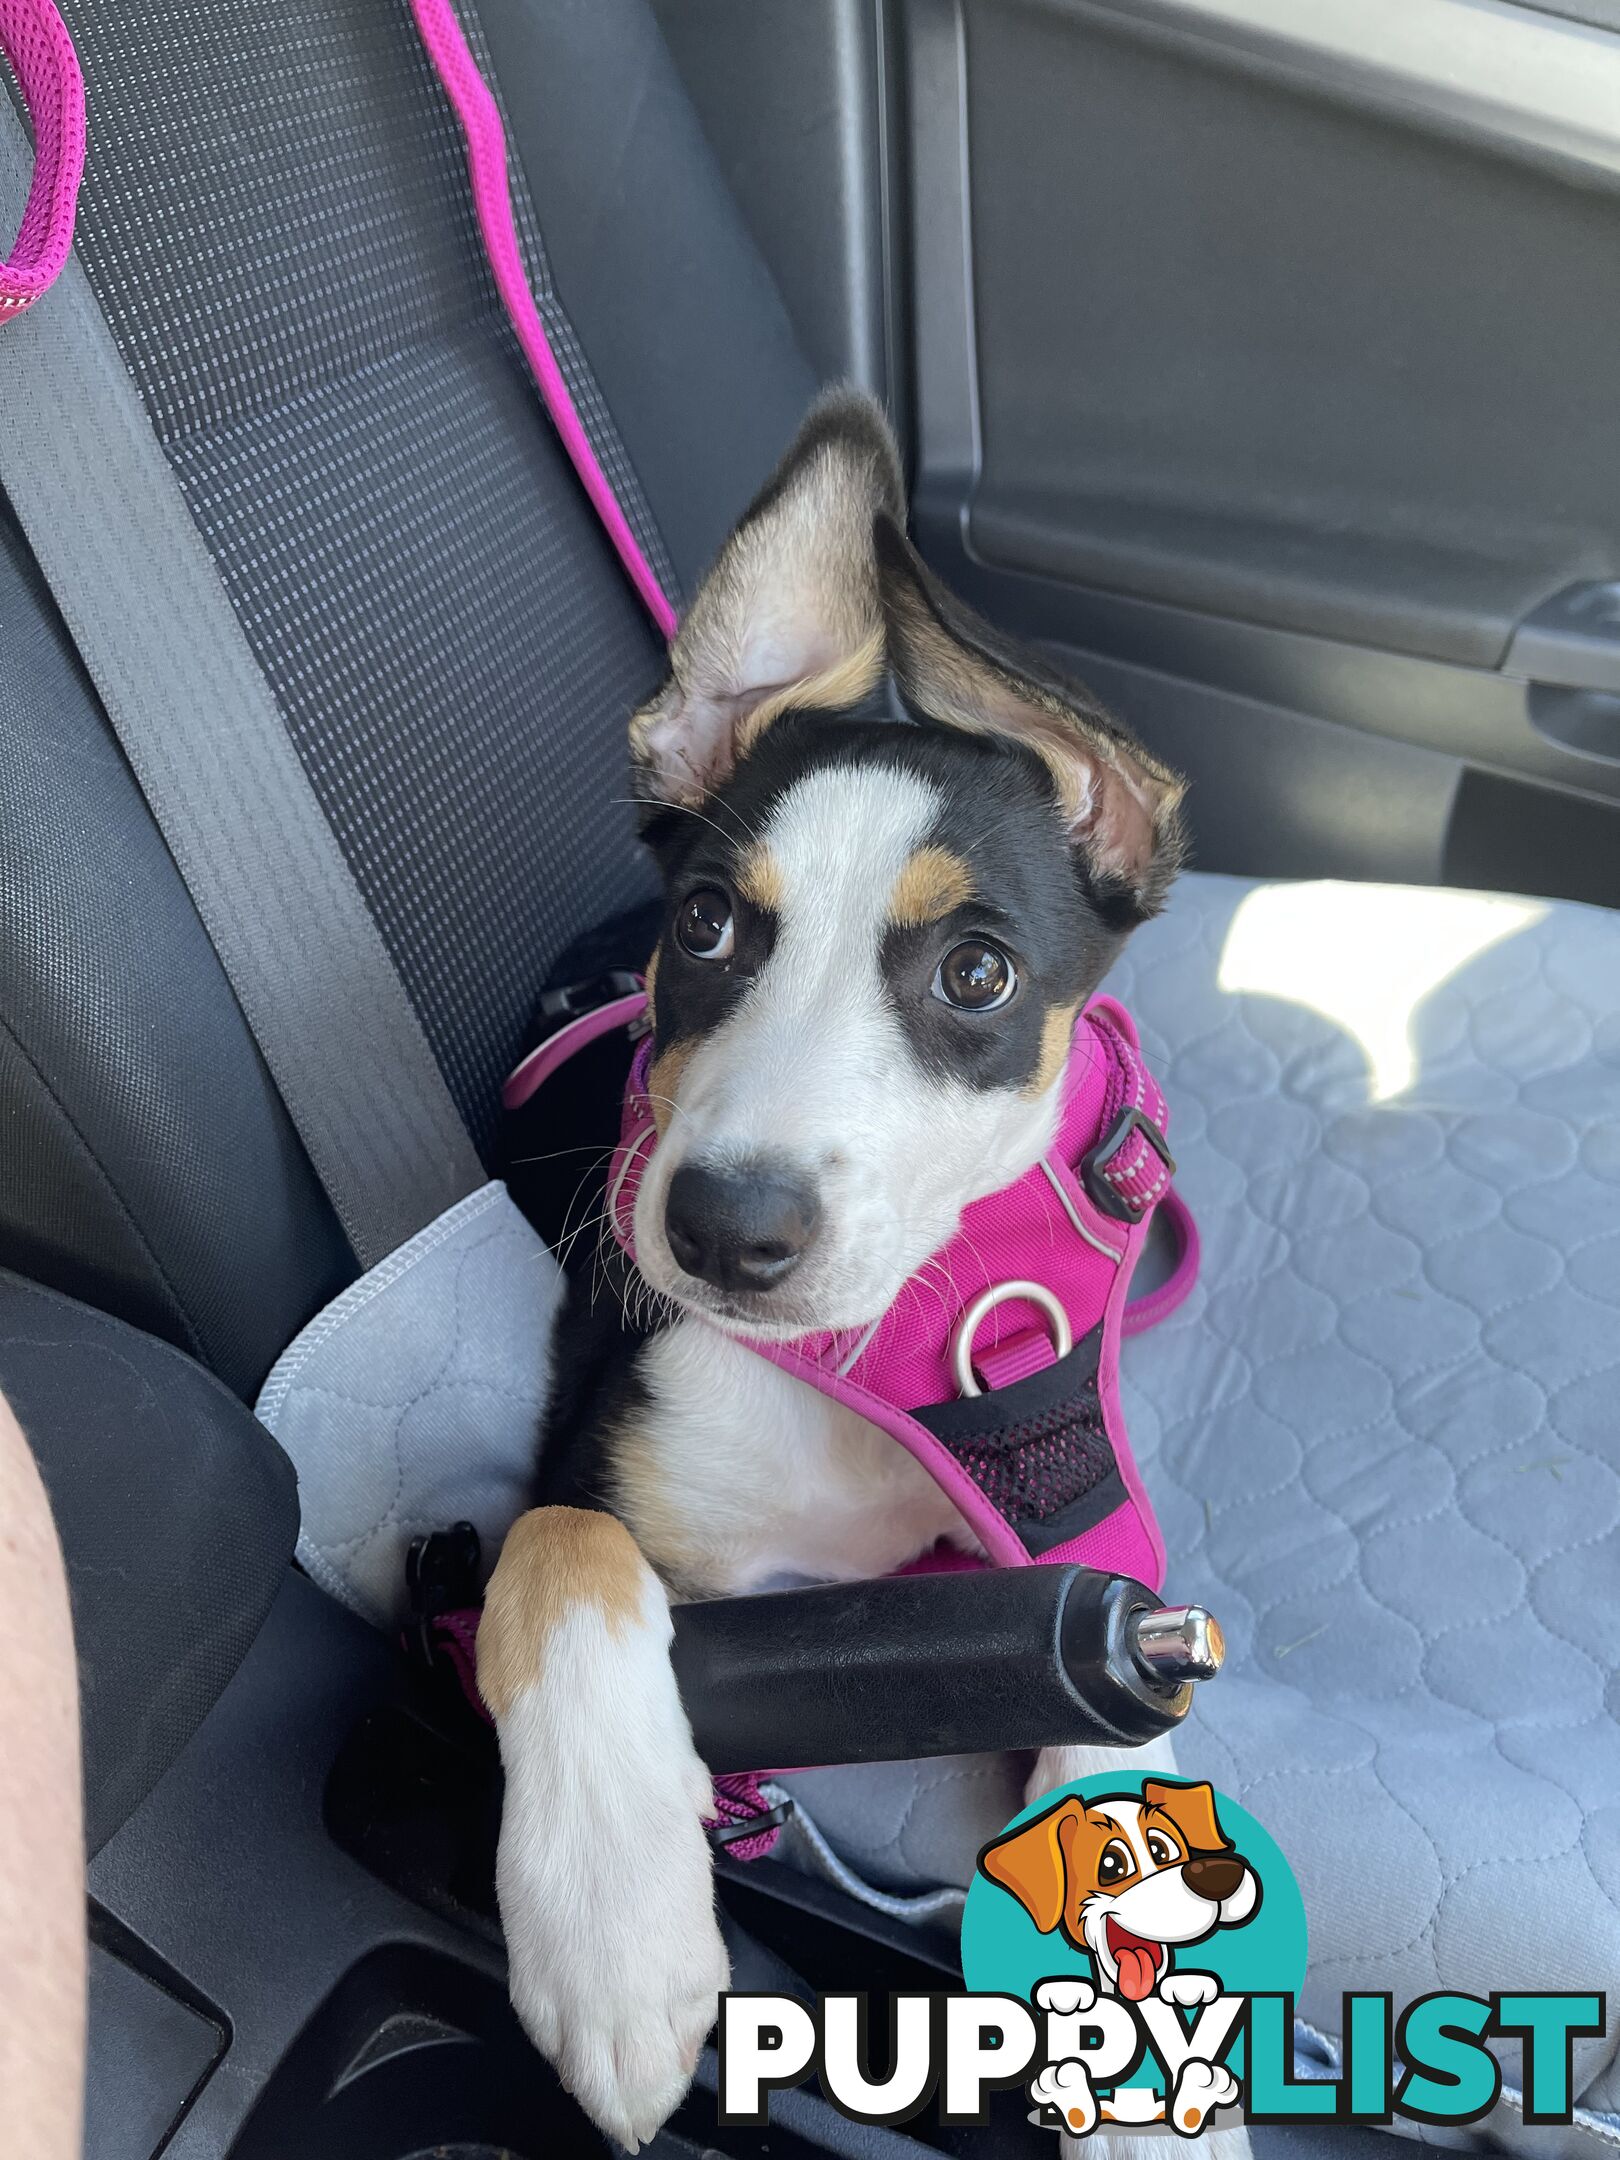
(1406,1328)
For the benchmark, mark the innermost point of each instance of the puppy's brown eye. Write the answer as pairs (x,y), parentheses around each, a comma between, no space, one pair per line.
(704,925)
(1160,1850)
(975,977)
(1115,1864)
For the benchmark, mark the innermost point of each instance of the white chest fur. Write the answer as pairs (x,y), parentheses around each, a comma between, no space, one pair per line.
(735,1474)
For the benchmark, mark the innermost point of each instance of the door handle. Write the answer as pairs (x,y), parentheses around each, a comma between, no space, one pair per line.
(1567,651)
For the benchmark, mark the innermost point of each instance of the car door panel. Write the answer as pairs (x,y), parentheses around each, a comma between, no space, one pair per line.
(1258,356)
(1263,362)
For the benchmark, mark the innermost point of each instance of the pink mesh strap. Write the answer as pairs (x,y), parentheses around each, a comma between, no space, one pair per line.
(34,39)
(480,118)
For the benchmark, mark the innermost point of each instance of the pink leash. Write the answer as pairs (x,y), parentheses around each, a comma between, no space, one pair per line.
(34,39)
(480,119)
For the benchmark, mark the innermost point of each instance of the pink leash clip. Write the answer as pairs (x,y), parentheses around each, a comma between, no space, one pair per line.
(34,39)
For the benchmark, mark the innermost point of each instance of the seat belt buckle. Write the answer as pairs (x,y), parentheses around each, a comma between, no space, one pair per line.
(441,1576)
(1105,1195)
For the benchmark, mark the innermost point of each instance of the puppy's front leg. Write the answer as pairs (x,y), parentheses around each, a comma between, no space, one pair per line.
(1056,1766)
(1061,1766)
(604,1877)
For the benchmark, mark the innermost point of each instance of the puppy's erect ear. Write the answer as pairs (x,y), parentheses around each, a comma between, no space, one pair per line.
(1122,805)
(790,608)
(1192,1809)
(1033,1863)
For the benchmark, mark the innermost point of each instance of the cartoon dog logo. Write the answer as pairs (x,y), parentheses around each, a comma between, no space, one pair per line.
(1129,1879)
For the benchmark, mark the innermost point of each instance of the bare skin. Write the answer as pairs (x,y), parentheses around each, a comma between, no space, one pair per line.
(42,1932)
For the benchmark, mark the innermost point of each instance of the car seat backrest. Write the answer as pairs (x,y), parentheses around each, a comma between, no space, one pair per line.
(276,223)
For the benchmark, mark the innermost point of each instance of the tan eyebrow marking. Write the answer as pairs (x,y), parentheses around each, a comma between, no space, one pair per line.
(1057,1032)
(759,878)
(930,885)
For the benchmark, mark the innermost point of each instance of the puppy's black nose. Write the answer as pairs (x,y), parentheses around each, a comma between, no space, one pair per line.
(1213,1875)
(742,1229)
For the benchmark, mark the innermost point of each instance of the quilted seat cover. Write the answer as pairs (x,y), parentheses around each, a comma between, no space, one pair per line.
(1383,1437)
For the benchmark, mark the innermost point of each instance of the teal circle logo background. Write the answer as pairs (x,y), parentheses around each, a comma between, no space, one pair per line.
(1004,1953)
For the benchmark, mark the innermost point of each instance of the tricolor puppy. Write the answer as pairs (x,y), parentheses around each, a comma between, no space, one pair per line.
(898,855)
(1128,1879)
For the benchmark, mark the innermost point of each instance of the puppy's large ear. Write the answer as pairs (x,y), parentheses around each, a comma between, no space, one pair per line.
(789,609)
(1033,1863)
(1122,805)
(1192,1809)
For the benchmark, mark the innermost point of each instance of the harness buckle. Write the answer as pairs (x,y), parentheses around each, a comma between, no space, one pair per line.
(1107,1197)
(571,1001)
(722,1834)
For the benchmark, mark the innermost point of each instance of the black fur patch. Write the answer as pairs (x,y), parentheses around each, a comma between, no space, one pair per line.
(691,996)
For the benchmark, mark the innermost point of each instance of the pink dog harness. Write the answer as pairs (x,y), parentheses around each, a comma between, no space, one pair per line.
(997,1366)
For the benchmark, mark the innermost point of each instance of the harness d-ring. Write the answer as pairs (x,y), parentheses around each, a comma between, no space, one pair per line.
(1032,1293)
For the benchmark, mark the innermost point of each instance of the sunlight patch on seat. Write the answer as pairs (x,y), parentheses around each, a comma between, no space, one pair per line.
(1365,957)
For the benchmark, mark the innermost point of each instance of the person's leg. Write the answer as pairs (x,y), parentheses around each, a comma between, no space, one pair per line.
(42,1924)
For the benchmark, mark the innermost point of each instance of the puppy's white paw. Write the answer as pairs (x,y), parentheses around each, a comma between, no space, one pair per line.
(1124,2145)
(625,2042)
(1112,2145)
(1201,2087)
(605,1880)
(1189,1990)
(616,1965)
(1115,2142)
(1065,2086)
(1065,1998)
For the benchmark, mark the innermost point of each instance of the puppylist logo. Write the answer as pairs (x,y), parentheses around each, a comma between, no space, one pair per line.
(1133,1947)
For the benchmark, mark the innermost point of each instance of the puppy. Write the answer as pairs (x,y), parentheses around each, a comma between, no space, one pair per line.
(897,856)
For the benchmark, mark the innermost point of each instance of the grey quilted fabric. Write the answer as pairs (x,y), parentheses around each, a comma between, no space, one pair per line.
(416,1399)
(1383,1436)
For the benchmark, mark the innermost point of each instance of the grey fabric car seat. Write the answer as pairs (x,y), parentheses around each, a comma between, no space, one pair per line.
(276,225)
(275,222)
(304,307)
